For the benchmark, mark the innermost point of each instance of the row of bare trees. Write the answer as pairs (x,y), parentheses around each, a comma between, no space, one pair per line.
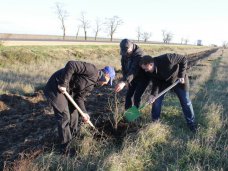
(145,36)
(110,24)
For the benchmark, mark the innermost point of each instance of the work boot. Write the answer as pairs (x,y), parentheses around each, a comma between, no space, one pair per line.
(192,127)
(63,148)
(71,152)
(156,120)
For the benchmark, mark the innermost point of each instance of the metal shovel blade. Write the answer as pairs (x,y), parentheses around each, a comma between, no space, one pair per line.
(132,113)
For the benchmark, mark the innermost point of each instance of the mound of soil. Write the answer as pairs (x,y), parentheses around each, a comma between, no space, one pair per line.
(26,125)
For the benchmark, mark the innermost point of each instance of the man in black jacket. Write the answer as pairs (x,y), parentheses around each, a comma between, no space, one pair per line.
(78,79)
(132,73)
(164,70)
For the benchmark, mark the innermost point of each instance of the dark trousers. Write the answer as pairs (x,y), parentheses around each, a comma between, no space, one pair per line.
(67,123)
(136,88)
(186,105)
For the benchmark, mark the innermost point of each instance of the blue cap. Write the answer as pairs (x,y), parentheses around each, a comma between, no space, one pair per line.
(111,72)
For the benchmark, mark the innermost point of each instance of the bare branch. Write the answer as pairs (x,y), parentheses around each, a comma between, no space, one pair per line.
(167,36)
(146,36)
(62,15)
(98,27)
(186,41)
(78,29)
(139,34)
(85,23)
(112,24)
(182,40)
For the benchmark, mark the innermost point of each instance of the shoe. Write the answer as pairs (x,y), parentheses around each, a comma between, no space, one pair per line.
(155,120)
(63,148)
(71,152)
(192,127)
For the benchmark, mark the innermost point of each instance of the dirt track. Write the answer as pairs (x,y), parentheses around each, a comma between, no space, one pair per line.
(27,123)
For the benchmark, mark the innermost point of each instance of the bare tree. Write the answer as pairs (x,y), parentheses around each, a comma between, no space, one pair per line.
(139,33)
(186,41)
(146,36)
(78,29)
(85,23)
(182,40)
(167,36)
(62,15)
(225,44)
(97,27)
(112,24)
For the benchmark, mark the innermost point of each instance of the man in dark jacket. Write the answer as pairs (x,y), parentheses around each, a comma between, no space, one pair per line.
(165,70)
(132,73)
(78,79)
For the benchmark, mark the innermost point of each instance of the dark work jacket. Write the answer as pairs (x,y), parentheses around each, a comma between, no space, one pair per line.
(78,77)
(130,65)
(168,68)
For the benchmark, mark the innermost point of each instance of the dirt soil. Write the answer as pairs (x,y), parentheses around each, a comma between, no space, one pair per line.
(28,125)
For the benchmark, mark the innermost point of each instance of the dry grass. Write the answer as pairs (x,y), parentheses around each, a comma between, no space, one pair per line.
(135,154)
(166,145)
(206,150)
(26,68)
(179,149)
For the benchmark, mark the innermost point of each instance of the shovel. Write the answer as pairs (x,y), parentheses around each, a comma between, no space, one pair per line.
(133,113)
(77,107)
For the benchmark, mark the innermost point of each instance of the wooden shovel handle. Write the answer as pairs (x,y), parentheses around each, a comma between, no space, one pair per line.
(163,92)
(167,89)
(77,107)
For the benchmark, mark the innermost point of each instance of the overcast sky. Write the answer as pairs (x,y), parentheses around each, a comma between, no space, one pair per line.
(189,19)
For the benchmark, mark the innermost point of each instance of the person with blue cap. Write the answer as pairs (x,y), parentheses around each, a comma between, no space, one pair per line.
(78,79)
(108,74)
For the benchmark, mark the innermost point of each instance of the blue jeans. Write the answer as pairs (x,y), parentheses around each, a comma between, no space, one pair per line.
(186,105)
